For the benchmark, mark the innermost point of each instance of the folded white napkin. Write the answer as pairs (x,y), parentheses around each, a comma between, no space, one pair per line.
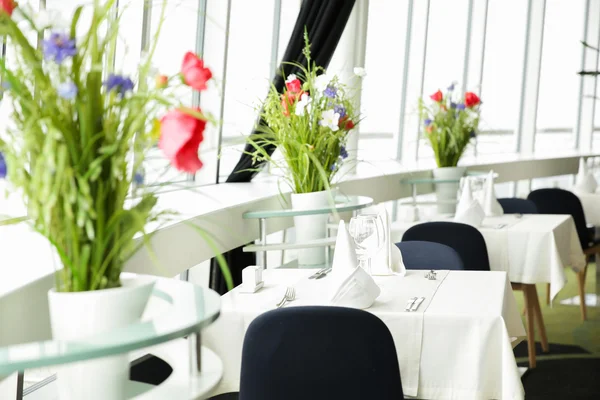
(344,257)
(351,286)
(468,210)
(357,290)
(491,206)
(585,181)
(388,260)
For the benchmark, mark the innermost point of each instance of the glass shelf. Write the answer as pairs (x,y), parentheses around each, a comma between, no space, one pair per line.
(418,181)
(342,204)
(185,309)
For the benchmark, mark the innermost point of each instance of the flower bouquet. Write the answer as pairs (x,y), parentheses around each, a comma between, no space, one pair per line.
(309,124)
(450,122)
(76,141)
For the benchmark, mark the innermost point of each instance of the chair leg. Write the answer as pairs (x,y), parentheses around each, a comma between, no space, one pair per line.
(548,294)
(581,282)
(539,319)
(530,316)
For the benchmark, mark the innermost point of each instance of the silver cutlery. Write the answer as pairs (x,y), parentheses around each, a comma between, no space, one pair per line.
(319,273)
(290,295)
(410,302)
(324,273)
(417,303)
(500,226)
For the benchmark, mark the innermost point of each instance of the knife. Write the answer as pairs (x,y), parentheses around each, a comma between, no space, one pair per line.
(324,273)
(410,302)
(417,304)
(319,272)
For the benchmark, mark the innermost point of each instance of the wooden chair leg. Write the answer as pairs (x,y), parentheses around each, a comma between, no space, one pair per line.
(581,286)
(539,319)
(548,294)
(530,316)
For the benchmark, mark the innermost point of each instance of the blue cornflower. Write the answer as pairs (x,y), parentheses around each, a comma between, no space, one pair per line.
(3,169)
(138,178)
(460,106)
(427,122)
(451,87)
(119,83)
(452,105)
(67,90)
(472,134)
(59,47)
(340,110)
(343,152)
(330,92)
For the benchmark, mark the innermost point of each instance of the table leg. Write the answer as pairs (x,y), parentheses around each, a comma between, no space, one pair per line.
(195,349)
(262,229)
(20,379)
(530,315)
(540,320)
(581,286)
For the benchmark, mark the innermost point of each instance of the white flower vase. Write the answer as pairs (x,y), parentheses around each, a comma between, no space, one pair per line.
(311,227)
(448,191)
(75,316)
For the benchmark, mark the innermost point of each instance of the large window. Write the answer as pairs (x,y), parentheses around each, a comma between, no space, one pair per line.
(559,82)
(413,48)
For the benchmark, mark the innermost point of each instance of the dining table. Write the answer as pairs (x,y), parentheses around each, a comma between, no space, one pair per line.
(531,248)
(458,344)
(591,206)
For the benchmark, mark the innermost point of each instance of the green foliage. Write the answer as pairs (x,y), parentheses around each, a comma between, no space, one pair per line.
(450,130)
(311,151)
(74,159)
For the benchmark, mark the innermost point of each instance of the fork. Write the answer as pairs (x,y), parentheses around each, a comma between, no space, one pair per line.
(290,295)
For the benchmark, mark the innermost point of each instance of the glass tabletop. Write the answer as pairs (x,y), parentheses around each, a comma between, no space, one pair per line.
(342,204)
(474,174)
(184,309)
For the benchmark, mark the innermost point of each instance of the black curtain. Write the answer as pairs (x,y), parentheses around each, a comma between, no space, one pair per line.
(324,20)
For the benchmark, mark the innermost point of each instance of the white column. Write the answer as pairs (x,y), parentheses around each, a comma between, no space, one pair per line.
(475,46)
(584,125)
(534,38)
(412,79)
(350,53)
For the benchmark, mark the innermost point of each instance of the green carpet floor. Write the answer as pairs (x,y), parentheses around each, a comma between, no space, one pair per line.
(571,369)
(563,323)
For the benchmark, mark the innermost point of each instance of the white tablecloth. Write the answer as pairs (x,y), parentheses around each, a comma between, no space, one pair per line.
(532,249)
(591,206)
(457,346)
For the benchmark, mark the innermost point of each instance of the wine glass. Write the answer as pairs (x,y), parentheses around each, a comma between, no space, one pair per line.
(369,236)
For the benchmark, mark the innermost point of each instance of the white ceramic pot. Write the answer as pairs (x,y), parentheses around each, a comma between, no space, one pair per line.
(77,315)
(311,227)
(447,191)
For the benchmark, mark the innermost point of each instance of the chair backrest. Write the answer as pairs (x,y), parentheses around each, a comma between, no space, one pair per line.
(429,255)
(514,205)
(319,353)
(466,240)
(560,201)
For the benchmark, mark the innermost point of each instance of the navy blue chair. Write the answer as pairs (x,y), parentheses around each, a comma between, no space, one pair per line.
(429,255)
(466,240)
(319,353)
(518,206)
(560,201)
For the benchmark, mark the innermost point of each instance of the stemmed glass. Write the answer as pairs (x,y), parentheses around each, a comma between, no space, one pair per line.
(369,235)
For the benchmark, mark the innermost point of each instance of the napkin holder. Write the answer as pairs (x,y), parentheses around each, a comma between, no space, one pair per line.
(251,279)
